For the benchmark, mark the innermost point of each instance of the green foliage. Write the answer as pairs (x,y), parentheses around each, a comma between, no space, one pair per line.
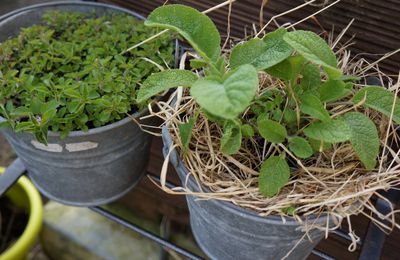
(311,78)
(290,211)
(274,174)
(300,147)
(232,138)
(288,70)
(312,106)
(333,90)
(229,96)
(295,113)
(247,131)
(161,81)
(314,49)
(364,138)
(261,53)
(380,100)
(195,27)
(318,145)
(66,74)
(333,131)
(185,131)
(270,130)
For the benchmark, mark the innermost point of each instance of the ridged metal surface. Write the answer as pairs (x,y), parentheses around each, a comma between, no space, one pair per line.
(376,27)
(225,231)
(116,155)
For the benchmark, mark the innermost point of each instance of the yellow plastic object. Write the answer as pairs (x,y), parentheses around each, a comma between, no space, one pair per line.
(24,194)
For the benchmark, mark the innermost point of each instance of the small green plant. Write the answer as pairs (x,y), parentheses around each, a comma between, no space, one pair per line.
(296,116)
(68,73)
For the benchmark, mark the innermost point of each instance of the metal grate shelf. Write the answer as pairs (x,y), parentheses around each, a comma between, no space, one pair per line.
(371,246)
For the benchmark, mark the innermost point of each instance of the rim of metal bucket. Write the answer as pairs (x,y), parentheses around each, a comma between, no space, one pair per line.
(100,129)
(232,207)
(77,2)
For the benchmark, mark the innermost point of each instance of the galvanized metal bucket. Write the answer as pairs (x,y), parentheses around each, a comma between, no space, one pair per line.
(87,168)
(226,231)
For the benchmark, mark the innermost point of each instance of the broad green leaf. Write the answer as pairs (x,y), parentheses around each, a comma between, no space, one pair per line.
(73,106)
(213,118)
(229,98)
(261,53)
(289,116)
(333,73)
(288,69)
(314,49)
(311,105)
(364,138)
(161,81)
(93,94)
(247,130)
(311,77)
(198,63)
(24,127)
(185,132)
(70,92)
(104,115)
(195,27)
(319,146)
(247,53)
(349,85)
(333,90)
(300,147)
(274,174)
(220,65)
(349,78)
(48,115)
(277,115)
(270,130)
(231,139)
(20,111)
(379,99)
(52,104)
(333,131)
(35,106)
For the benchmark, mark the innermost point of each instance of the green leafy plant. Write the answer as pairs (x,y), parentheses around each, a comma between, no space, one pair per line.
(297,116)
(69,74)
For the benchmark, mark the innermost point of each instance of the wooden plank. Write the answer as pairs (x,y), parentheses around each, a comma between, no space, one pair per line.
(376,28)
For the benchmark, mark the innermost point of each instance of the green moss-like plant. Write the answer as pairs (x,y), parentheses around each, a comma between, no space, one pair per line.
(68,73)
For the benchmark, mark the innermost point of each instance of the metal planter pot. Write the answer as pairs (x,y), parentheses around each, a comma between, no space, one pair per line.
(87,168)
(226,231)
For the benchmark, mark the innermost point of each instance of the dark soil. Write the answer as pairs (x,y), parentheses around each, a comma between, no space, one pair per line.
(13,221)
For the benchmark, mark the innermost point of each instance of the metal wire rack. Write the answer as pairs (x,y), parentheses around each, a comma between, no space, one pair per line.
(371,246)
